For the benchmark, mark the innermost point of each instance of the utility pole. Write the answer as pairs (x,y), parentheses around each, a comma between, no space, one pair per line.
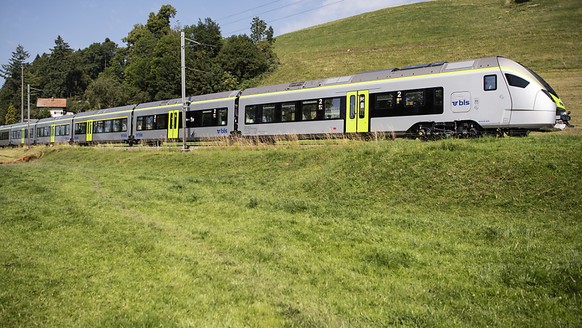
(28,129)
(184,105)
(21,92)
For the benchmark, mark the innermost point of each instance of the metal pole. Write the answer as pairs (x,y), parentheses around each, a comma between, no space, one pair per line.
(184,106)
(22,92)
(28,142)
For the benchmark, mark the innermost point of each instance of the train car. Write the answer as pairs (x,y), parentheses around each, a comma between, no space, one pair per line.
(110,125)
(4,135)
(54,130)
(18,134)
(207,116)
(462,98)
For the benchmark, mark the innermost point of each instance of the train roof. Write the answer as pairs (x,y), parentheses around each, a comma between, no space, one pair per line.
(384,74)
(18,125)
(105,111)
(190,99)
(56,119)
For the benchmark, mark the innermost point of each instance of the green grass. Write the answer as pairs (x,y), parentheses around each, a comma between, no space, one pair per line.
(392,233)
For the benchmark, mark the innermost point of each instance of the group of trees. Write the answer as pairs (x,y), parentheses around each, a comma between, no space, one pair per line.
(106,75)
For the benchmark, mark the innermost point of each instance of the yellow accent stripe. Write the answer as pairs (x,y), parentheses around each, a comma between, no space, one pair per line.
(88,117)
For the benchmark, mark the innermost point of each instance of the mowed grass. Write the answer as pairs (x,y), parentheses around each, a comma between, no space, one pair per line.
(448,233)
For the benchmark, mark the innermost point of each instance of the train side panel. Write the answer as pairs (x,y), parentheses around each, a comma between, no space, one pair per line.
(103,126)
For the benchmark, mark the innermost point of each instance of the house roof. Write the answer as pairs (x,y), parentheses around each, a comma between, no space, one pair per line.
(51,102)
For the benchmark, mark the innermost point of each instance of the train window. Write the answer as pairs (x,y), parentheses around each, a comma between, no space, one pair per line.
(309,110)
(221,116)
(124,125)
(362,106)
(352,107)
(490,82)
(161,121)
(306,110)
(81,128)
(98,127)
(332,108)
(116,126)
(4,135)
(516,81)
(149,122)
(107,126)
(207,117)
(252,114)
(414,100)
(407,102)
(269,113)
(288,111)
(384,102)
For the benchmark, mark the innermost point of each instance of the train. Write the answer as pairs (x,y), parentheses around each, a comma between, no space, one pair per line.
(470,98)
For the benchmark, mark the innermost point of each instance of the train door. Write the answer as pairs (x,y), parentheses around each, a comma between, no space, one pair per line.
(89,135)
(52,133)
(23,135)
(173,127)
(357,112)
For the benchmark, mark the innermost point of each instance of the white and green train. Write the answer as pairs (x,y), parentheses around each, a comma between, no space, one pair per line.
(464,99)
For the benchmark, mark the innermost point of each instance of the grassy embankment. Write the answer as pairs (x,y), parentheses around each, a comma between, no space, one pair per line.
(447,233)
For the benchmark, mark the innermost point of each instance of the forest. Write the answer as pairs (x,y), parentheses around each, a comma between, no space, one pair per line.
(146,68)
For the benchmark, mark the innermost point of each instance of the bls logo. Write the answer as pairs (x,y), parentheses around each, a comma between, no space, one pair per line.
(461,102)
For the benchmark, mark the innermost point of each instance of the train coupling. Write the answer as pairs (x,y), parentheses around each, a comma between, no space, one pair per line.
(563,120)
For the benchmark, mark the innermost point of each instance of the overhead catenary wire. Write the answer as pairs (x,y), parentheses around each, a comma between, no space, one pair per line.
(251,9)
(292,15)
(261,13)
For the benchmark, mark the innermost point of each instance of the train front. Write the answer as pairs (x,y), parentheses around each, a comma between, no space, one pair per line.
(540,97)
(562,115)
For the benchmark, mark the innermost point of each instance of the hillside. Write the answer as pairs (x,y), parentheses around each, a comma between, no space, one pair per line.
(544,35)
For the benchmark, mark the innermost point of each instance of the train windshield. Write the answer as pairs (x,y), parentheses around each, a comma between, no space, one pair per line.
(543,82)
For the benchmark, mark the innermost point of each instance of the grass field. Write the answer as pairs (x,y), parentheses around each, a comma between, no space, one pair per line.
(449,233)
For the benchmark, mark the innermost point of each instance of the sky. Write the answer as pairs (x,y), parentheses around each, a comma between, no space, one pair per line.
(36,24)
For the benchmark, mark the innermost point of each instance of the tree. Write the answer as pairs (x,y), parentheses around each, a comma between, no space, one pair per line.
(165,68)
(260,32)
(14,67)
(207,33)
(204,73)
(11,115)
(159,24)
(12,73)
(62,75)
(105,92)
(240,57)
(97,57)
(153,52)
